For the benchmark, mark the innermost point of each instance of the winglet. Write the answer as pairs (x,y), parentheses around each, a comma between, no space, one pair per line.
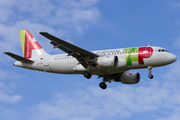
(37,32)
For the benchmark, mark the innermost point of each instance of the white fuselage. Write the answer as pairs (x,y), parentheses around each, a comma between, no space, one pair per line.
(64,64)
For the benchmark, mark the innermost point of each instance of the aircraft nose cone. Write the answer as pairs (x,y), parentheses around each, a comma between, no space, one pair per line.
(173,58)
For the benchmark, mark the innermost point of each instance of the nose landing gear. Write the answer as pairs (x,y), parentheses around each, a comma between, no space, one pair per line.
(150,76)
(150,71)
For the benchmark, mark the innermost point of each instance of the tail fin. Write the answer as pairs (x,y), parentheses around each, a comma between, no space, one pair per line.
(30,46)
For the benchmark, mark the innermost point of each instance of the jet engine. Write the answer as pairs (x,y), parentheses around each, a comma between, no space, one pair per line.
(107,61)
(128,78)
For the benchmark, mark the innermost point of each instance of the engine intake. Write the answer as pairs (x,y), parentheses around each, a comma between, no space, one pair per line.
(107,61)
(128,78)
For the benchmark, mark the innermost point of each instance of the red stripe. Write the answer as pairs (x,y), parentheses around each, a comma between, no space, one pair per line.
(30,45)
(142,55)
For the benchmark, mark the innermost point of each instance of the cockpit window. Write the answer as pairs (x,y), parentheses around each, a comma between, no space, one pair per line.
(162,50)
(159,50)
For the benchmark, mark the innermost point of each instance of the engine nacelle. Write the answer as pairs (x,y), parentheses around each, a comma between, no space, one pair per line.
(128,78)
(107,61)
(121,62)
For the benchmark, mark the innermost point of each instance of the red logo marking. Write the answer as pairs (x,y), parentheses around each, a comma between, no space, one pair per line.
(144,52)
(30,45)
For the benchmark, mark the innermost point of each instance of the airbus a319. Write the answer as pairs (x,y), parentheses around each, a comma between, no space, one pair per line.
(111,65)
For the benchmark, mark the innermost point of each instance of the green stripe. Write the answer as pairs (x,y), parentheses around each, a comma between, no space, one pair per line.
(22,37)
(131,55)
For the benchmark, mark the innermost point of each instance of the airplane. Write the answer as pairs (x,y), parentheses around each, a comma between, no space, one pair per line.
(112,65)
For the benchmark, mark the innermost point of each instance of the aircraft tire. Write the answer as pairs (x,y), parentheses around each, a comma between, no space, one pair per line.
(150,76)
(87,75)
(103,85)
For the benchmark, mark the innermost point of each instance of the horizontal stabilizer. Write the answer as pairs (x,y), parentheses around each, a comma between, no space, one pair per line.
(19,58)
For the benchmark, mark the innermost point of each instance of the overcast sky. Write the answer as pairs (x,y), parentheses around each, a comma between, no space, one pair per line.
(92,25)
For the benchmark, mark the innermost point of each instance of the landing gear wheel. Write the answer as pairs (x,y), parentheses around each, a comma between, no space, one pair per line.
(150,76)
(150,71)
(87,75)
(103,85)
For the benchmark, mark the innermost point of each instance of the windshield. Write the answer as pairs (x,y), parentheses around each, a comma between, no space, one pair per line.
(162,50)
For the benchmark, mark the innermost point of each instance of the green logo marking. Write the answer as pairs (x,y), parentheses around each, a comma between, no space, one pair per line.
(137,54)
(131,55)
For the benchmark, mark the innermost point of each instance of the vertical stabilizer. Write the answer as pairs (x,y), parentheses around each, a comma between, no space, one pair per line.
(30,46)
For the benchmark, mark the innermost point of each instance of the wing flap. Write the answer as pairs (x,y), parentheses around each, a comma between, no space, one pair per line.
(19,58)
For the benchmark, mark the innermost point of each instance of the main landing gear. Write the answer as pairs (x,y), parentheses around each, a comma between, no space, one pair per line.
(150,71)
(87,75)
(103,85)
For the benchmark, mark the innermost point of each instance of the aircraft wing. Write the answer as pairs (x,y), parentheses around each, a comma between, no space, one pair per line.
(79,53)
